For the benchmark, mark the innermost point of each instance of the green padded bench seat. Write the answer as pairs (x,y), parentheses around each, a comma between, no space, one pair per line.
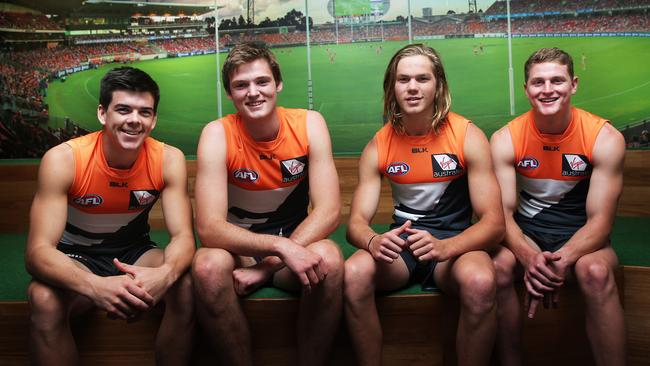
(630,238)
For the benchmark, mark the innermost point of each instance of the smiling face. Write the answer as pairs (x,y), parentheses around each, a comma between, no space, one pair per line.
(253,90)
(549,89)
(127,121)
(415,87)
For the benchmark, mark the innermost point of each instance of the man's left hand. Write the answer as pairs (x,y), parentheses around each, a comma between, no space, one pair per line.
(155,280)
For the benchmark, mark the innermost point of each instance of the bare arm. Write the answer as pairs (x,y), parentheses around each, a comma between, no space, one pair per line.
(605,188)
(323,190)
(177,211)
(503,157)
(485,199)
(539,275)
(119,295)
(323,185)
(386,246)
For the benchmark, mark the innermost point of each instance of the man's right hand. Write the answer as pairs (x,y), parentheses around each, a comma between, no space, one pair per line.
(387,246)
(541,275)
(120,296)
(307,265)
(541,280)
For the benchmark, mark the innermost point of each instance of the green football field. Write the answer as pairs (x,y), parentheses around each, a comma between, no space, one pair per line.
(615,85)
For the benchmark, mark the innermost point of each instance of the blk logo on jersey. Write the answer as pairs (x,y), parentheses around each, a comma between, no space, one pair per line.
(397,169)
(445,165)
(142,199)
(89,200)
(246,175)
(528,162)
(293,169)
(574,165)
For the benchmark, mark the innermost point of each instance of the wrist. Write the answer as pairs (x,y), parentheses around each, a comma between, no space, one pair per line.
(370,241)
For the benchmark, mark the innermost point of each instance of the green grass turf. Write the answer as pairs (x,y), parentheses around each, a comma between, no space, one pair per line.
(615,85)
(629,238)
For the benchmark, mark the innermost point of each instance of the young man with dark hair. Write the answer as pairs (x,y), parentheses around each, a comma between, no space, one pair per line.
(89,242)
(439,168)
(560,169)
(257,172)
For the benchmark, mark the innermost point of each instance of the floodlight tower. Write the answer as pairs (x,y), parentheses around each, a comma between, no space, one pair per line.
(250,12)
(472,6)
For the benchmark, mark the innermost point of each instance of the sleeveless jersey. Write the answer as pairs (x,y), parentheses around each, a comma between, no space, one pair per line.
(268,186)
(553,171)
(111,206)
(427,175)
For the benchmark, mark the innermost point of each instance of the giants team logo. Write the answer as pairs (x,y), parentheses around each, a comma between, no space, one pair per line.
(445,165)
(89,200)
(528,162)
(397,169)
(293,169)
(574,165)
(246,175)
(142,199)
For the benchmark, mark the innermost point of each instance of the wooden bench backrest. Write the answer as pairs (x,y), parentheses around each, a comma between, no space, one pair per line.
(18,184)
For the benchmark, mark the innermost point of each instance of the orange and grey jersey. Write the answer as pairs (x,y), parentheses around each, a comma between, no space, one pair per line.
(428,175)
(268,186)
(553,171)
(111,206)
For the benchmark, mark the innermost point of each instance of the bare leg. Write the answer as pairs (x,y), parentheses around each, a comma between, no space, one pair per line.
(363,275)
(217,306)
(472,277)
(178,327)
(605,321)
(176,333)
(509,319)
(51,340)
(320,311)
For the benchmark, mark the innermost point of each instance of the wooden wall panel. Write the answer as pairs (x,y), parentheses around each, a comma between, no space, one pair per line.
(18,185)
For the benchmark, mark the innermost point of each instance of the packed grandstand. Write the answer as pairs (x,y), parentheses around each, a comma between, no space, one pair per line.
(36,48)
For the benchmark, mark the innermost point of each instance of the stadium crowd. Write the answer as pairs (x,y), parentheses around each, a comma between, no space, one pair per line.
(27,21)
(541,6)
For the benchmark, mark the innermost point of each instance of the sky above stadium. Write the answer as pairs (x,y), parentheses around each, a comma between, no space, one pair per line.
(274,9)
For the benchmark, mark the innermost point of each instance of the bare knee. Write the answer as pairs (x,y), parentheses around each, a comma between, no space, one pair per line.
(478,291)
(332,258)
(504,268)
(212,271)
(47,306)
(359,276)
(595,277)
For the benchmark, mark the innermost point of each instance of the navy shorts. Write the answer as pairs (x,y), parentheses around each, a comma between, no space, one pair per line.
(422,272)
(99,258)
(546,240)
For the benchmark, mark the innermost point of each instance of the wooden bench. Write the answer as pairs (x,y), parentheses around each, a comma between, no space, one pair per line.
(418,329)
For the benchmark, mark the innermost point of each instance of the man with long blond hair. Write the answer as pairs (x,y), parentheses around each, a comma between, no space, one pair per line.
(439,168)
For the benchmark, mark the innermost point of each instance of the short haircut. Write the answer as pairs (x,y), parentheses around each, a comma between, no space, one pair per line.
(442,99)
(247,52)
(128,79)
(548,55)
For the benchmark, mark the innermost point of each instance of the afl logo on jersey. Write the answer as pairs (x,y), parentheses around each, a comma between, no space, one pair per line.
(246,175)
(397,169)
(89,200)
(528,162)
